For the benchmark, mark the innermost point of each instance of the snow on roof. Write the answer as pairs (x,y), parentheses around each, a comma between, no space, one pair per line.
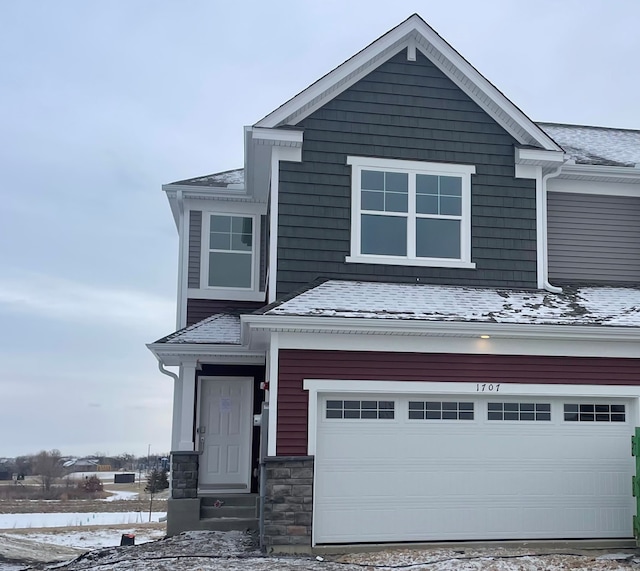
(596,145)
(225,178)
(222,328)
(583,306)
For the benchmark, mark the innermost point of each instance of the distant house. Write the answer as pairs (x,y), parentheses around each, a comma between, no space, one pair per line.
(82,464)
(436,298)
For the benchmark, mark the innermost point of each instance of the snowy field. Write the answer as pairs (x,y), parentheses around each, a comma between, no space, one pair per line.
(35,520)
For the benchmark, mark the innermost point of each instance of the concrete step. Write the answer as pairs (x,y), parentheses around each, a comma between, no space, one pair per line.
(229,524)
(211,512)
(237,500)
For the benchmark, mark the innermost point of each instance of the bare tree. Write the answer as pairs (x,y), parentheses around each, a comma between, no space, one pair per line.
(47,465)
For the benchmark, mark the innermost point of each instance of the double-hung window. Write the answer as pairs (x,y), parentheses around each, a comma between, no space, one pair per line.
(410,213)
(230,254)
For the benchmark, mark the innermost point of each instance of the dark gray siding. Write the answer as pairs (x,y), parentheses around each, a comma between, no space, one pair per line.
(264,251)
(403,110)
(195,244)
(593,238)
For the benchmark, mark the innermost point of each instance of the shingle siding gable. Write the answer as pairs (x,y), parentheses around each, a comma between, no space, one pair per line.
(410,111)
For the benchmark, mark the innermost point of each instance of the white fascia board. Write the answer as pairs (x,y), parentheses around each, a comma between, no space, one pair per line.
(277,137)
(458,345)
(576,186)
(178,354)
(601,173)
(539,157)
(207,192)
(216,205)
(413,32)
(438,328)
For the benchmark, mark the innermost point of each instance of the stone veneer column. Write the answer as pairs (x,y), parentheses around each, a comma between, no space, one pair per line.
(183,507)
(288,504)
(184,475)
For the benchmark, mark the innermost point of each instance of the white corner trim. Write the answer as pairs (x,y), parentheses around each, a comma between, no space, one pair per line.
(277,154)
(273,233)
(272,378)
(186,422)
(541,230)
(183,260)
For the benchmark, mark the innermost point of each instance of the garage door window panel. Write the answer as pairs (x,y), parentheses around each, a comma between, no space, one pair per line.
(593,412)
(519,411)
(360,409)
(440,410)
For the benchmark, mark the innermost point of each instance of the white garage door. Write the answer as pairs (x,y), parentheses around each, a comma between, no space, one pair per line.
(413,468)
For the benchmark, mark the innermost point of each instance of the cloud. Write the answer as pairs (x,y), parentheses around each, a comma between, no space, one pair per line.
(66,300)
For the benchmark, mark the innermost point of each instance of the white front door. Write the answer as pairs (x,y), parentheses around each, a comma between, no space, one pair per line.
(224,431)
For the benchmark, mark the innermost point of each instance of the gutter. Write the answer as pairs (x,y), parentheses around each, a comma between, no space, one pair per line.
(425,328)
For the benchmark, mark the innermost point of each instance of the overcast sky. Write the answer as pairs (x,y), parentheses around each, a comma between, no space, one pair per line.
(101,102)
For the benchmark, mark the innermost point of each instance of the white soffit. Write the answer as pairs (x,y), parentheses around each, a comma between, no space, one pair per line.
(414,33)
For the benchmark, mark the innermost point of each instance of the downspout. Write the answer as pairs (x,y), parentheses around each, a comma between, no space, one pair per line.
(176,379)
(545,242)
(167,372)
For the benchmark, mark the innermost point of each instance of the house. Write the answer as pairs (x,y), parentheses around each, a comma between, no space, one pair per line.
(435,298)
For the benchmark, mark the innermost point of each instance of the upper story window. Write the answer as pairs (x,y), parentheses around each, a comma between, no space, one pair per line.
(410,213)
(230,253)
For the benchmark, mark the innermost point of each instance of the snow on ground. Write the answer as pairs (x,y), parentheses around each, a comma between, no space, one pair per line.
(31,520)
(237,551)
(120,495)
(88,539)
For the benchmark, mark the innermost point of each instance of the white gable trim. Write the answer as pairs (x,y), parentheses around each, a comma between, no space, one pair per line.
(413,32)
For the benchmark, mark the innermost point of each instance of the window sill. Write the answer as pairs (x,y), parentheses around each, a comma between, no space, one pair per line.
(226,293)
(426,262)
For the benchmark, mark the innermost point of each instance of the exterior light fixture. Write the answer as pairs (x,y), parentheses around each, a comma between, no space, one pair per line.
(485,336)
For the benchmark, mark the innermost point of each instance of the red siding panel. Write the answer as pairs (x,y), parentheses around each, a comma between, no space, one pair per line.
(297,365)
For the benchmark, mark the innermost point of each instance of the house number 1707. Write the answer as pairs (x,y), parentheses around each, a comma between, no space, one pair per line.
(487,388)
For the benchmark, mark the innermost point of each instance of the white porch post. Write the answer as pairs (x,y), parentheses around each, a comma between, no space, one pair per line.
(184,409)
(177,412)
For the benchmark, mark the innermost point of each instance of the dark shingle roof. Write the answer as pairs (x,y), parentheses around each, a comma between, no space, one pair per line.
(596,145)
(219,179)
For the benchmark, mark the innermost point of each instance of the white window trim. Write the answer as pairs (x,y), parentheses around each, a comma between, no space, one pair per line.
(204,255)
(412,167)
